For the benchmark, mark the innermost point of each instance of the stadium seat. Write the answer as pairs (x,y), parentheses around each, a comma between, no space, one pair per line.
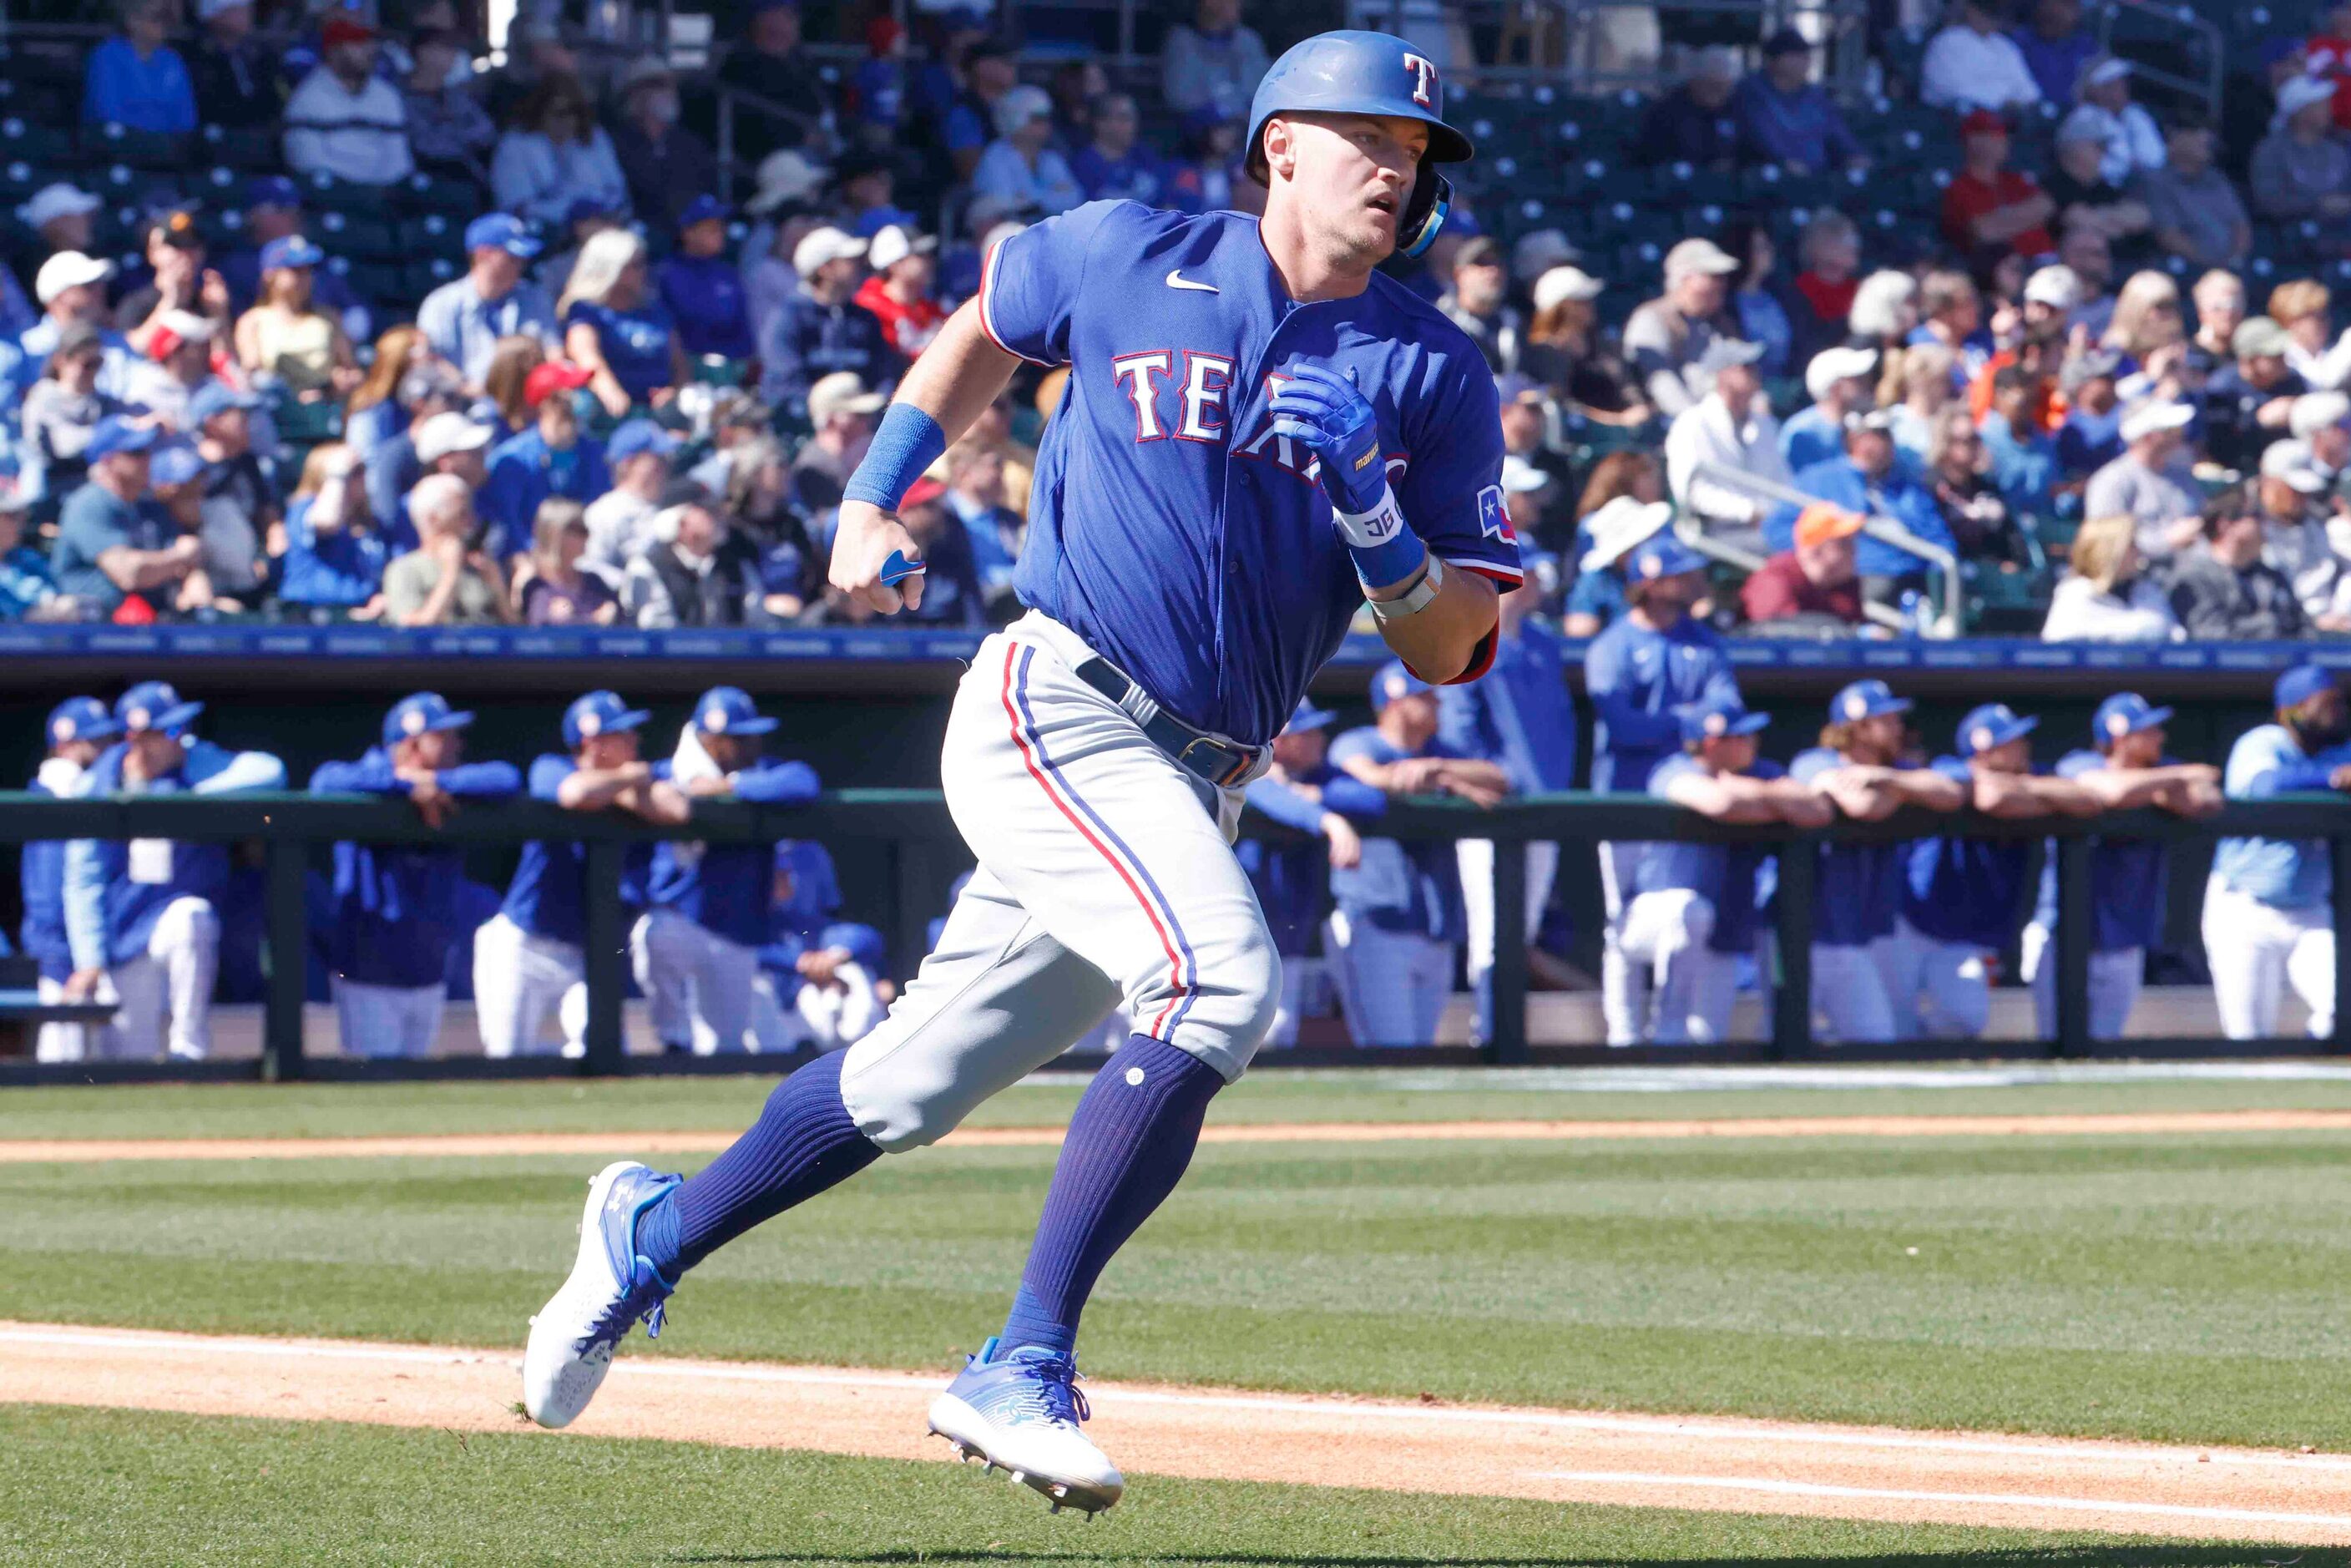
(434,235)
(434,193)
(306,424)
(138,149)
(249,150)
(360,236)
(34,141)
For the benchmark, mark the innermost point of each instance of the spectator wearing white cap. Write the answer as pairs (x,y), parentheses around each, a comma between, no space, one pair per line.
(2301,168)
(2132,144)
(820,329)
(1021,166)
(1730,427)
(2154,481)
(447,443)
(1841,381)
(71,288)
(2291,491)
(899,294)
(63,216)
(1665,338)
(841,409)
(1563,351)
(1971,63)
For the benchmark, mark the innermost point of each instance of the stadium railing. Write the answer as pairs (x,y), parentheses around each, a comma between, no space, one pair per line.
(289,825)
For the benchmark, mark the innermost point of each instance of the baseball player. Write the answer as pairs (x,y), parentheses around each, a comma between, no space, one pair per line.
(696,950)
(821,979)
(1694,908)
(2268,922)
(1520,716)
(142,918)
(1303,791)
(1642,673)
(1395,935)
(1959,898)
(1260,433)
(397,906)
(1857,888)
(528,959)
(2126,769)
(78,729)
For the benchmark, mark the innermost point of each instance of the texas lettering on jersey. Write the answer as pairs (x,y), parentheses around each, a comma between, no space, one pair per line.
(1169,526)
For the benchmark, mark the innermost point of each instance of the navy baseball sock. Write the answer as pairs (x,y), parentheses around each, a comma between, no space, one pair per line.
(802,1143)
(1132,1135)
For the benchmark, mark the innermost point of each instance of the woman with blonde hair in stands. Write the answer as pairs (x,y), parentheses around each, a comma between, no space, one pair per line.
(1885,313)
(2147,318)
(2312,350)
(372,415)
(616,329)
(507,374)
(1927,388)
(287,334)
(2106,597)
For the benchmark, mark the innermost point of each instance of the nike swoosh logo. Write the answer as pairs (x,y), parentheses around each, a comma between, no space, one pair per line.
(1175,280)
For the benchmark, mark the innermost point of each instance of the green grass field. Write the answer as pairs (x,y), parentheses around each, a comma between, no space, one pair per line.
(2176,1288)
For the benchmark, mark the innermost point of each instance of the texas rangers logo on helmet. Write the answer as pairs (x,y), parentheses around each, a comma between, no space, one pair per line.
(1423,82)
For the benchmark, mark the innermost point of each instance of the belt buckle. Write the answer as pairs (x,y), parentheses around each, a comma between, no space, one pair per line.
(1234,761)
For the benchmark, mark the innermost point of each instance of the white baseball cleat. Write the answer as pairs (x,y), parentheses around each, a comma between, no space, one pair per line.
(1020,1409)
(610,1287)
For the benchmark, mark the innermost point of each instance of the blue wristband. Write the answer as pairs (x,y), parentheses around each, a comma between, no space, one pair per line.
(1387,551)
(908,442)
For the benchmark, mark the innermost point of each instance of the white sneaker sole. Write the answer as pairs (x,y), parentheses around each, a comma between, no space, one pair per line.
(977,1439)
(556,1385)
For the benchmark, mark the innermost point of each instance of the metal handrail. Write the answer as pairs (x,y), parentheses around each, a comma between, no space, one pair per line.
(1876,525)
(288,824)
(2208,88)
(1693,533)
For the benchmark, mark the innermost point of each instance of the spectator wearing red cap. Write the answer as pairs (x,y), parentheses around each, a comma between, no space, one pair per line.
(344,121)
(1816,579)
(135,79)
(1988,206)
(1971,63)
(551,458)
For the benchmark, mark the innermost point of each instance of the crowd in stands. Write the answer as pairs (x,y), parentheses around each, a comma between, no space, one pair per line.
(625,399)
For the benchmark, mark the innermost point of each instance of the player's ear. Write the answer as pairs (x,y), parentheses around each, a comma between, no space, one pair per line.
(1280,147)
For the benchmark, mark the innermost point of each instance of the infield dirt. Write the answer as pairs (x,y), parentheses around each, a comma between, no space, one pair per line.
(1698,1463)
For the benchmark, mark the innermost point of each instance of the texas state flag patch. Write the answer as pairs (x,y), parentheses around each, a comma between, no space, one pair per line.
(1493,517)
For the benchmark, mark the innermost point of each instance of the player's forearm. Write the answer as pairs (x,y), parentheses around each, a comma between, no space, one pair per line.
(1725,798)
(1437,642)
(1925,787)
(958,375)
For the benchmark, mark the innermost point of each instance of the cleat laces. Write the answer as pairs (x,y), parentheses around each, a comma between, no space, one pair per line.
(610,1325)
(1050,1390)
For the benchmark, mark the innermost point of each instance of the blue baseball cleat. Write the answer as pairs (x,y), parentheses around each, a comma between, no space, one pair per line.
(1020,1408)
(609,1289)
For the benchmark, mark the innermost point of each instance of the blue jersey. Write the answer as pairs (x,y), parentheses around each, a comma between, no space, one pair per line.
(397,907)
(2292,874)
(548,896)
(723,888)
(1518,714)
(1856,888)
(1965,890)
(42,876)
(800,918)
(1292,880)
(1729,876)
(1169,526)
(1639,681)
(114,891)
(2127,879)
(1414,890)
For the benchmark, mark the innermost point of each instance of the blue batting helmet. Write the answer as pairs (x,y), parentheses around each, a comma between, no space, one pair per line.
(1367,73)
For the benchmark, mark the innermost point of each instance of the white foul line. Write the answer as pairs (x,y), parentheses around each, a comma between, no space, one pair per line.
(1888,1494)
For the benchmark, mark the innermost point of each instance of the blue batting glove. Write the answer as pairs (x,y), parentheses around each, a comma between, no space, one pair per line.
(1336,422)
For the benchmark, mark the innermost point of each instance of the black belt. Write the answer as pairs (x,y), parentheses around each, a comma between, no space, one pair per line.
(1220,762)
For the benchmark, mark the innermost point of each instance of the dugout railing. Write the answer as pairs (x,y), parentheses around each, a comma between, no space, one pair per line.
(913,823)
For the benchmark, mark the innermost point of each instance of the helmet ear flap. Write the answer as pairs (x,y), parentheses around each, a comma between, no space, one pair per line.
(1425,214)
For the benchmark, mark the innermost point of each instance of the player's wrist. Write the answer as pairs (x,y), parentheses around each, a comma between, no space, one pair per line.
(1386,551)
(904,443)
